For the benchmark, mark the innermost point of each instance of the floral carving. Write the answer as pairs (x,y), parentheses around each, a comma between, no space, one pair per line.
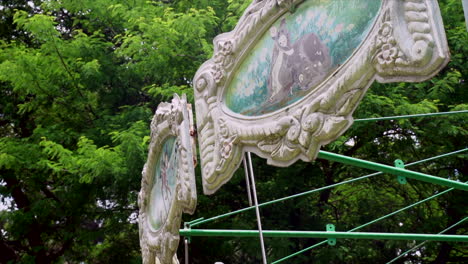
(223,60)
(227,141)
(387,55)
(218,73)
(385,42)
(385,34)
(395,50)
(226,147)
(405,45)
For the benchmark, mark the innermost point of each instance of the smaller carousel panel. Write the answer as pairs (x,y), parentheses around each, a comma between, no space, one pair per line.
(168,183)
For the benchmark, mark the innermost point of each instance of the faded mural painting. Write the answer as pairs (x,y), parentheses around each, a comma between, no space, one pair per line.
(164,183)
(299,51)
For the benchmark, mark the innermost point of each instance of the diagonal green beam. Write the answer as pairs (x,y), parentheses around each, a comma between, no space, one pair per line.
(369,223)
(421,244)
(202,220)
(322,234)
(408,116)
(392,170)
(300,252)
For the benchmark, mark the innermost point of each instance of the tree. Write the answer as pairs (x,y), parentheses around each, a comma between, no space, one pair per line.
(79,82)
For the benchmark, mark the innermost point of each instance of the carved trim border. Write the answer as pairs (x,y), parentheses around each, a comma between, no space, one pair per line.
(407,43)
(170,120)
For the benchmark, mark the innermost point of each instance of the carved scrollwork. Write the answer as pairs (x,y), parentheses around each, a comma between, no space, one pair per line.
(405,43)
(410,46)
(159,243)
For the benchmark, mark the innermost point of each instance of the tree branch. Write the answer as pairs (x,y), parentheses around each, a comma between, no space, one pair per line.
(62,61)
(8,253)
(34,233)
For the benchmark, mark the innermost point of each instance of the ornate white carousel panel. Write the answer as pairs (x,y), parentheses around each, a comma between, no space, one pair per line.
(287,79)
(168,182)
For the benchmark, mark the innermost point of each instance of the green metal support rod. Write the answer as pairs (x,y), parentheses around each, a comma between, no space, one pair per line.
(322,234)
(202,220)
(300,252)
(367,224)
(421,244)
(409,116)
(392,170)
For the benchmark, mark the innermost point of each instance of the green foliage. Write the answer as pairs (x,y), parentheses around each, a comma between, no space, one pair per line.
(79,82)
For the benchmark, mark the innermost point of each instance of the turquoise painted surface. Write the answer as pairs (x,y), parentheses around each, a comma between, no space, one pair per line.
(164,183)
(298,52)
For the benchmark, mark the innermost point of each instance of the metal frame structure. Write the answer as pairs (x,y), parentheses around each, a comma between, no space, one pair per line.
(330,234)
(405,41)
(323,234)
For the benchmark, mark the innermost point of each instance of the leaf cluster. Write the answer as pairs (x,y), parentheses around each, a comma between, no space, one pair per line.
(79,82)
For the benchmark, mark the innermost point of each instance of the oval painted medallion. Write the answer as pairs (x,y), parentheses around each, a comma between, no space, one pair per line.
(164,183)
(298,52)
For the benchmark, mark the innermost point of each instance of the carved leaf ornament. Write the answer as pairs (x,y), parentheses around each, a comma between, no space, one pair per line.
(168,182)
(287,79)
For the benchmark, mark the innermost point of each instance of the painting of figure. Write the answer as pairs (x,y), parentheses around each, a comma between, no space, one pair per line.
(280,79)
(164,183)
(300,64)
(297,53)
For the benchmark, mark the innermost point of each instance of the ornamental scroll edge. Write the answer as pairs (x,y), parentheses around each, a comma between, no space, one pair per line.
(402,45)
(170,120)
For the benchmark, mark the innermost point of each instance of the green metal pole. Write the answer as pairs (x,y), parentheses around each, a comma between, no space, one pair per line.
(421,244)
(409,116)
(300,252)
(392,170)
(369,223)
(202,220)
(322,234)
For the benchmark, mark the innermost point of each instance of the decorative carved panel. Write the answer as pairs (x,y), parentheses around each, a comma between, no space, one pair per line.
(287,79)
(168,182)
